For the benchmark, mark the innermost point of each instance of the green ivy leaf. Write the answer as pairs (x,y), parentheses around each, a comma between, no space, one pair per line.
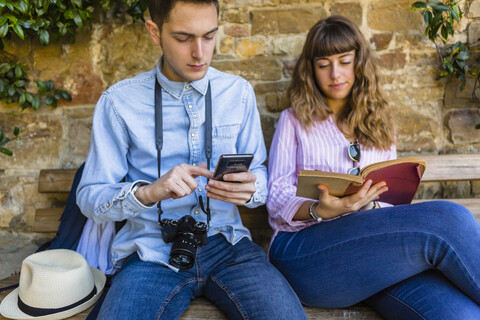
(77,3)
(78,21)
(5,151)
(70,14)
(19,83)
(18,71)
(427,17)
(66,95)
(19,31)
(36,102)
(44,37)
(419,5)
(49,84)
(22,7)
(42,88)
(16,131)
(21,99)
(49,100)
(3,30)
(463,55)
(3,19)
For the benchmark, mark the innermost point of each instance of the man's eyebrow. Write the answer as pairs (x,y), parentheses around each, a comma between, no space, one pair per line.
(183,33)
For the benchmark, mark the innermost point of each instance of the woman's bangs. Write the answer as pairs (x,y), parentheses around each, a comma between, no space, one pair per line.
(333,40)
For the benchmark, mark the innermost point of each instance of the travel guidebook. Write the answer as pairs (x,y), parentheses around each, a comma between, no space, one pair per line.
(402,176)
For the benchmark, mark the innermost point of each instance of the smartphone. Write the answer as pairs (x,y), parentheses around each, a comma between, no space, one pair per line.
(232,163)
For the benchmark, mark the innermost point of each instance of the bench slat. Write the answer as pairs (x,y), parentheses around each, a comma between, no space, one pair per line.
(47,220)
(451,167)
(56,180)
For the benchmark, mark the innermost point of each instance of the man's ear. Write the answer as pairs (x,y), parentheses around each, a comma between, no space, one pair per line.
(154,31)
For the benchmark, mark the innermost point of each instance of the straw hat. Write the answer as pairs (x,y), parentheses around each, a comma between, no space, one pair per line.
(54,284)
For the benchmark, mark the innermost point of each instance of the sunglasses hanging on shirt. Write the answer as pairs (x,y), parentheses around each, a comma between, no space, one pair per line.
(353,151)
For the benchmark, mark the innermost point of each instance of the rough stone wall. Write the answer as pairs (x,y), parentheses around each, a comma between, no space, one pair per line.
(259,40)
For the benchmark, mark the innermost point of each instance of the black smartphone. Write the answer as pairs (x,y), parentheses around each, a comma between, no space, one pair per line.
(232,163)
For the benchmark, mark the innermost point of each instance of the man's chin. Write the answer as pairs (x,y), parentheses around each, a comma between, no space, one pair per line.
(195,75)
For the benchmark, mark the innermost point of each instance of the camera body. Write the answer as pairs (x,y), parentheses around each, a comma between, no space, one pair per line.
(186,234)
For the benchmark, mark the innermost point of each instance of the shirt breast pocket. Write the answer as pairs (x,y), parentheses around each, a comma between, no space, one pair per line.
(224,140)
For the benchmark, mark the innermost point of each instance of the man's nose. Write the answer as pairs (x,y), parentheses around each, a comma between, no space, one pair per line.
(197,50)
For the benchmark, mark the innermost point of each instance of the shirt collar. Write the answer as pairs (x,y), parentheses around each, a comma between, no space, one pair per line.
(176,89)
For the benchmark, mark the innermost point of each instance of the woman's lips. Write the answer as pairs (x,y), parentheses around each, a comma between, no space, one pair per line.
(337,85)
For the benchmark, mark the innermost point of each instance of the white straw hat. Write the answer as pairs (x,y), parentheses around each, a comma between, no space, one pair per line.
(54,284)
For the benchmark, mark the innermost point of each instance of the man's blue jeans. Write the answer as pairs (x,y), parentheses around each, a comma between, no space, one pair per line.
(419,261)
(239,279)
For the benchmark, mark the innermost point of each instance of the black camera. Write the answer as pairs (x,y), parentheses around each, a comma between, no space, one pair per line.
(186,234)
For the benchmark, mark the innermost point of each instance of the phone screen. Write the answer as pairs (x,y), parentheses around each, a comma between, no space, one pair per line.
(232,163)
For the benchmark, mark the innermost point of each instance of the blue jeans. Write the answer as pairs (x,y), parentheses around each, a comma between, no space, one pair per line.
(419,261)
(239,279)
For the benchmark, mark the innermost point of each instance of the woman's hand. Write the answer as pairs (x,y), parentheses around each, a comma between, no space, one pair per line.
(330,206)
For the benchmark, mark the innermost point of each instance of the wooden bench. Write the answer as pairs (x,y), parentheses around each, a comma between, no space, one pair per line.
(442,170)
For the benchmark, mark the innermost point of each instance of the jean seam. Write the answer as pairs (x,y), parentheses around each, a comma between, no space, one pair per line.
(232,297)
(406,305)
(172,295)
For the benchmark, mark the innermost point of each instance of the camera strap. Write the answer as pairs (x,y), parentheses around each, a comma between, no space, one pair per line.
(159,140)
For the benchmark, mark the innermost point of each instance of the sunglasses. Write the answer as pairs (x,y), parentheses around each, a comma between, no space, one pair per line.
(354,154)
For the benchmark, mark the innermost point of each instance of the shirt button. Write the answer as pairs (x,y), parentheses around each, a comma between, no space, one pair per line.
(190,106)
(196,212)
(193,134)
(123,193)
(187,87)
(194,163)
(199,190)
(108,204)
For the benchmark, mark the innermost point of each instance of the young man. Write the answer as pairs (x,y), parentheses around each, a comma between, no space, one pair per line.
(230,270)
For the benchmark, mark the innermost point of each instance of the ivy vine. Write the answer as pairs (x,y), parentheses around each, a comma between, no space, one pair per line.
(44,20)
(440,18)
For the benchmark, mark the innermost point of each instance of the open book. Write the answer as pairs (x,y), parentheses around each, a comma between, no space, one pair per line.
(401,175)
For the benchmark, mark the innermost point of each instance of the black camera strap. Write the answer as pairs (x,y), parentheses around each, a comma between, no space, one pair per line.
(159,140)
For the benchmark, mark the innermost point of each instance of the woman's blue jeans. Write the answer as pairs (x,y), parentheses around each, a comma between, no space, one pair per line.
(239,279)
(419,261)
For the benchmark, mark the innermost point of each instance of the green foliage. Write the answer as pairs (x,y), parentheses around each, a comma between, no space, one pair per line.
(42,20)
(4,140)
(58,18)
(440,18)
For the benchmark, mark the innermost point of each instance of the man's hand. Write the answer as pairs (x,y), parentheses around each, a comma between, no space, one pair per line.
(237,188)
(176,183)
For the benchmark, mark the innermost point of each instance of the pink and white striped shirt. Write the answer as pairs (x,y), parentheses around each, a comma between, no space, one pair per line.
(323,147)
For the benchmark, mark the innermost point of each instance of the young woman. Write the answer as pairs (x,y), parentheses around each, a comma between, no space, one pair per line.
(417,261)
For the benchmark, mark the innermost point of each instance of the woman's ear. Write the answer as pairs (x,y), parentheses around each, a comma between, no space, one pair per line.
(154,31)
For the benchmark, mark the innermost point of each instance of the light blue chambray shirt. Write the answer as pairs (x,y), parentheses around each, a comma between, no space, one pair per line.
(123,146)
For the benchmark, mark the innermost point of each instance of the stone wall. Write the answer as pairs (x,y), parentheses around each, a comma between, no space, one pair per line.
(259,40)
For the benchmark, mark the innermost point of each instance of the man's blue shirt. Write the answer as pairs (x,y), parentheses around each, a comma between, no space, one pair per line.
(123,149)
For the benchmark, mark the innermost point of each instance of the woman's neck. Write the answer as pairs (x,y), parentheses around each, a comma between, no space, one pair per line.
(338,107)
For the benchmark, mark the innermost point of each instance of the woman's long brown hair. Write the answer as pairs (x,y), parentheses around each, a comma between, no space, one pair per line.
(366,111)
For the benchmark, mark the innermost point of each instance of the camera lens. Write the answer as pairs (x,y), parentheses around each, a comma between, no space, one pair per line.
(181,261)
(183,251)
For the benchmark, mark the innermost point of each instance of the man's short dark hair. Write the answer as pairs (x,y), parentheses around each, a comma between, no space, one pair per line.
(160,9)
